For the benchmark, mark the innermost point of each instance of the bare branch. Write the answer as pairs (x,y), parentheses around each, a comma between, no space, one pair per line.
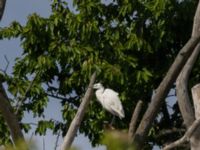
(74,126)
(23,98)
(196,24)
(182,81)
(134,119)
(185,138)
(2,6)
(10,117)
(163,90)
(165,132)
(43,143)
(7,65)
(57,139)
(166,85)
(59,97)
(182,89)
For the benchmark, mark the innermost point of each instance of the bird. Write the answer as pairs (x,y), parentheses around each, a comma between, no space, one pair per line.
(109,99)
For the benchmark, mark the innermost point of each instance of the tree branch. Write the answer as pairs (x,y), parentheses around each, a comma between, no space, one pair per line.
(182,89)
(186,136)
(10,117)
(163,90)
(182,81)
(73,128)
(134,119)
(2,6)
(59,97)
(169,132)
(23,98)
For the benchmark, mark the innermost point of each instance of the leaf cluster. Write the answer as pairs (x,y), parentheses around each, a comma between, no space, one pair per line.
(129,43)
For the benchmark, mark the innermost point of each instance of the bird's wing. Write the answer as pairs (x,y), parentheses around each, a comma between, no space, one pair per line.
(110,91)
(113,102)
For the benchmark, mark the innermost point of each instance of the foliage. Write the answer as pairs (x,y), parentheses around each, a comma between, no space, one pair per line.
(129,43)
(116,140)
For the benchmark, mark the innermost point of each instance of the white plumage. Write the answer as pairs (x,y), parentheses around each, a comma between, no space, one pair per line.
(109,99)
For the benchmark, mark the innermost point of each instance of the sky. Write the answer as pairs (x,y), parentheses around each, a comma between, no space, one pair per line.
(18,10)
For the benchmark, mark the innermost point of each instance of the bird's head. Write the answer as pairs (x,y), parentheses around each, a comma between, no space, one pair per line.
(97,86)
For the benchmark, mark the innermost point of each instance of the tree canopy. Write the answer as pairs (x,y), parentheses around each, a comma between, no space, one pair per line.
(130,44)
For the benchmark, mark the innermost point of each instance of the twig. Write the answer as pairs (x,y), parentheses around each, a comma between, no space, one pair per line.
(7,63)
(165,132)
(186,136)
(134,119)
(23,98)
(31,138)
(43,143)
(57,139)
(59,97)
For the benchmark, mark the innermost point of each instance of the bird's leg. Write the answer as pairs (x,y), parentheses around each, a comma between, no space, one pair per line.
(113,120)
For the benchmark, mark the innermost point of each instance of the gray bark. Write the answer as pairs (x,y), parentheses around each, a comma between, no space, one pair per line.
(75,124)
(5,106)
(162,91)
(10,117)
(182,81)
(2,7)
(195,138)
(134,119)
(185,105)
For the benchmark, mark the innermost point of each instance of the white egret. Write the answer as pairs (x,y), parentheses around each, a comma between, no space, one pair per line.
(109,99)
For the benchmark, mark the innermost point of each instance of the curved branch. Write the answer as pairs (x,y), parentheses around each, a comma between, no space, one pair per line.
(182,81)
(182,89)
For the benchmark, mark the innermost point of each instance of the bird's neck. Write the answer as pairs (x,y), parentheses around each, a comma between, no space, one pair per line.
(99,93)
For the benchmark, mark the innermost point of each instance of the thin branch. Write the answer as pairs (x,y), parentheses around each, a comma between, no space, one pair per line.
(8,62)
(57,140)
(171,95)
(75,124)
(43,143)
(134,119)
(186,136)
(58,97)
(29,142)
(2,7)
(7,65)
(165,132)
(23,98)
